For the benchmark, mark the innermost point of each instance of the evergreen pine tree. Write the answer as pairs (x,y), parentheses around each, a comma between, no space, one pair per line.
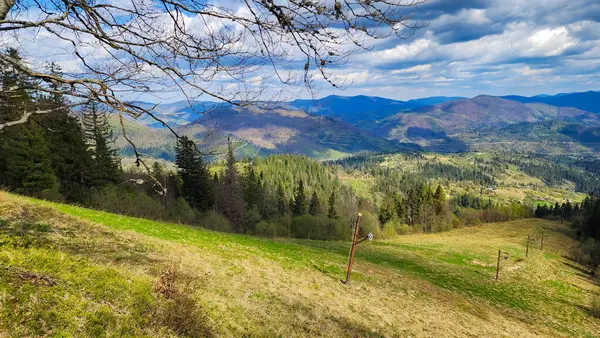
(25,164)
(387,209)
(196,186)
(557,210)
(252,189)
(331,213)
(231,199)
(299,200)
(439,200)
(28,168)
(400,207)
(99,139)
(281,202)
(69,155)
(315,205)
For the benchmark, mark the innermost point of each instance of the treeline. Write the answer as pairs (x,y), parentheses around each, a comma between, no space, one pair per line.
(454,173)
(417,209)
(556,174)
(56,155)
(284,195)
(474,210)
(586,220)
(362,161)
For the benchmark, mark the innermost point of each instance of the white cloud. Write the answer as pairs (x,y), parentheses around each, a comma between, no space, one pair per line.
(532,72)
(402,52)
(415,69)
(466,16)
(550,42)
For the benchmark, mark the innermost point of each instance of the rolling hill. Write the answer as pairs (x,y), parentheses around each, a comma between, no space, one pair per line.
(110,275)
(483,116)
(336,126)
(355,109)
(588,101)
(261,131)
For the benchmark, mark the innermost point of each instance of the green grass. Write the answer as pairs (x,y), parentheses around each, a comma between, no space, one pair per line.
(105,265)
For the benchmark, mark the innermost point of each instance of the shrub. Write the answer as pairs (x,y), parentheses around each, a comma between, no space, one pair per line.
(470,217)
(319,227)
(369,223)
(177,310)
(389,229)
(126,201)
(403,229)
(457,223)
(266,229)
(251,219)
(215,221)
(283,225)
(180,211)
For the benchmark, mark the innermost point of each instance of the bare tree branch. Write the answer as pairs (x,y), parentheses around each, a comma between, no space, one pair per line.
(232,54)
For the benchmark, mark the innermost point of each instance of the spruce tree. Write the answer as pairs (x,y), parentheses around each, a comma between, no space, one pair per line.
(70,158)
(331,210)
(315,205)
(231,199)
(252,188)
(28,168)
(387,209)
(196,187)
(25,164)
(439,200)
(99,139)
(282,206)
(557,210)
(400,207)
(299,200)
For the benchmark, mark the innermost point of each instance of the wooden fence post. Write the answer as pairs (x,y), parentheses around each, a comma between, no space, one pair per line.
(352,250)
(498,264)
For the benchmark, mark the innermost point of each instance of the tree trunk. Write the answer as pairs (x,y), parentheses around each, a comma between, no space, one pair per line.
(5,6)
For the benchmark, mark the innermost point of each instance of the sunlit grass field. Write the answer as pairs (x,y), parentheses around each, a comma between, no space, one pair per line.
(70,271)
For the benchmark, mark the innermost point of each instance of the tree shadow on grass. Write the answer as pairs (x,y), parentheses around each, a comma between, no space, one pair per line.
(581,271)
(310,322)
(44,228)
(443,275)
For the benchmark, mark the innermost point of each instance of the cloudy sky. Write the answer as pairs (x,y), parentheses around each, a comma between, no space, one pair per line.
(496,47)
(470,47)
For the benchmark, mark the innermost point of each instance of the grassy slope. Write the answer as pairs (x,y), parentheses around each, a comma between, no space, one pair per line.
(102,267)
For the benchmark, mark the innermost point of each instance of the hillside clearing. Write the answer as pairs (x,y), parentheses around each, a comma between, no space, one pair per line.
(72,271)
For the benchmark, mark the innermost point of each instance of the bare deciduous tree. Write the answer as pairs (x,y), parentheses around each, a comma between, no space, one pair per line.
(236,52)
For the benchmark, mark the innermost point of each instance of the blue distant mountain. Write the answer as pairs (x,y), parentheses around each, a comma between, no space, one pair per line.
(354,109)
(588,101)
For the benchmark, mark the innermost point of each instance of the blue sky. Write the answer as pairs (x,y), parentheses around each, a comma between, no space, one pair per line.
(471,47)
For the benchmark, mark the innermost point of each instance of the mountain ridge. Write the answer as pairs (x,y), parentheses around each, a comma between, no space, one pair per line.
(336,126)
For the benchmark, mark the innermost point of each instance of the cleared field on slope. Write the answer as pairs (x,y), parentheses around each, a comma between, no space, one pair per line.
(69,271)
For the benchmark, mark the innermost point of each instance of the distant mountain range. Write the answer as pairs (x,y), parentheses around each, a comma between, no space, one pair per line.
(589,101)
(336,126)
(354,109)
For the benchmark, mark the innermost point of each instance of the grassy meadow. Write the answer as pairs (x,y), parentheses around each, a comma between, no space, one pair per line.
(75,272)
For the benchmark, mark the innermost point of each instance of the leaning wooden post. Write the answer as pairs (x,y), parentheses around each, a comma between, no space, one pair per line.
(353,249)
(498,264)
(527,251)
(542,242)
